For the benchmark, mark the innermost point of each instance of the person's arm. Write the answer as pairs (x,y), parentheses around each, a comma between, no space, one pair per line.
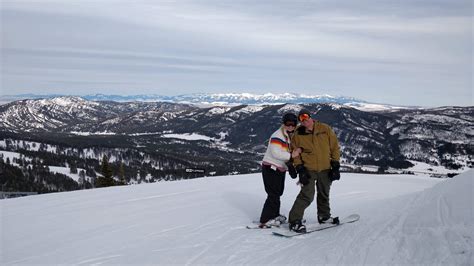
(333,146)
(295,143)
(279,149)
(334,174)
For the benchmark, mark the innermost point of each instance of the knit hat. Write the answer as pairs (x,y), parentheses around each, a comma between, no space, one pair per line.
(289,117)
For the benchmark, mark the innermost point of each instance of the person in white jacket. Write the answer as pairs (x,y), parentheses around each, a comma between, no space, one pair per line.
(274,167)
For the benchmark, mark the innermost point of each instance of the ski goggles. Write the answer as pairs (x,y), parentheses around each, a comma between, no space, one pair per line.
(290,124)
(303,117)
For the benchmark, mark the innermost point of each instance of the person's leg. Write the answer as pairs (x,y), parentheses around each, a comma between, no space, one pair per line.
(323,186)
(273,181)
(303,200)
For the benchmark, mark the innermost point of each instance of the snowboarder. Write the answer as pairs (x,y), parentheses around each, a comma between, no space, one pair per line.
(274,166)
(318,165)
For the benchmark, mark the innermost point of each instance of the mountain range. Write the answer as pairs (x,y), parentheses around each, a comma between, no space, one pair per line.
(229,99)
(438,137)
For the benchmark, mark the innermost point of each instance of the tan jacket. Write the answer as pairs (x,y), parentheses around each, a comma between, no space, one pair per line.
(319,147)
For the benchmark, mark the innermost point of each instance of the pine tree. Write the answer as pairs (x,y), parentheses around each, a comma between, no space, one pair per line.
(106,179)
(106,170)
(121,174)
(82,174)
(73,168)
(82,179)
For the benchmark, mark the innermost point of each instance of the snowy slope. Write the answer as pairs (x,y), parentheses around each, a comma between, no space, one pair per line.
(404,220)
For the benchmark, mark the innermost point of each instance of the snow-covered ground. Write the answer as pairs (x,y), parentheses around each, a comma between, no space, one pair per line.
(12,155)
(187,136)
(405,219)
(424,168)
(81,133)
(55,169)
(67,172)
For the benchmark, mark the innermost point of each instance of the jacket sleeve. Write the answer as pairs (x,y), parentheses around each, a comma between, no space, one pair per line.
(333,145)
(295,145)
(278,149)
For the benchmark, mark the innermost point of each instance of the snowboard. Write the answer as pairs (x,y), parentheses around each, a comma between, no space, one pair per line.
(317,227)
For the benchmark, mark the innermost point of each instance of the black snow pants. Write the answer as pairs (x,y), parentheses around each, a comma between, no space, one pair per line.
(274,181)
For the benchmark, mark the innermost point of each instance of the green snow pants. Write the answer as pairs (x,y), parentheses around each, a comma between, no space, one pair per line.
(318,181)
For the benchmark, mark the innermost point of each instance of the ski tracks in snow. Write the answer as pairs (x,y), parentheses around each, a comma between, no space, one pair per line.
(160,196)
(401,226)
(214,239)
(98,260)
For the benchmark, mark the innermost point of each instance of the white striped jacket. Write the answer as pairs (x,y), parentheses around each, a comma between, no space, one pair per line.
(278,150)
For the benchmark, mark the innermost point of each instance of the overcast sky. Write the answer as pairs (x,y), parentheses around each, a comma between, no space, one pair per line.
(410,52)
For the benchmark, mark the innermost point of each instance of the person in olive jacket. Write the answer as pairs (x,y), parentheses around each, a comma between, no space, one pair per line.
(317,167)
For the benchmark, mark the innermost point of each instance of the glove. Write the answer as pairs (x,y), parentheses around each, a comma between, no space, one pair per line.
(303,174)
(334,173)
(291,170)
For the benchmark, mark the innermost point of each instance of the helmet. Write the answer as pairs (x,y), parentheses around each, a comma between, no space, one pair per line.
(289,117)
(304,114)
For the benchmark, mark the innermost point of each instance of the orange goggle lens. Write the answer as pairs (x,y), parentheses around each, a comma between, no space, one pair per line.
(303,117)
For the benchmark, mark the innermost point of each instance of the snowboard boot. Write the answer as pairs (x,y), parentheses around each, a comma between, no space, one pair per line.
(298,227)
(270,223)
(330,220)
(281,218)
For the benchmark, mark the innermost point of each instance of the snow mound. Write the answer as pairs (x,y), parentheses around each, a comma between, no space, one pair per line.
(432,227)
(441,220)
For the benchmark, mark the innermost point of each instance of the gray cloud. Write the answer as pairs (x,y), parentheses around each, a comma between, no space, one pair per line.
(401,52)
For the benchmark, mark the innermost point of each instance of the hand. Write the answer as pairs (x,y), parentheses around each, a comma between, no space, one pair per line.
(335,165)
(303,174)
(334,173)
(291,170)
(296,153)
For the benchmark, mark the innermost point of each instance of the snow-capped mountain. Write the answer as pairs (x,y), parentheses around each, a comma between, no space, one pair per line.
(405,220)
(439,136)
(267,98)
(71,113)
(229,99)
